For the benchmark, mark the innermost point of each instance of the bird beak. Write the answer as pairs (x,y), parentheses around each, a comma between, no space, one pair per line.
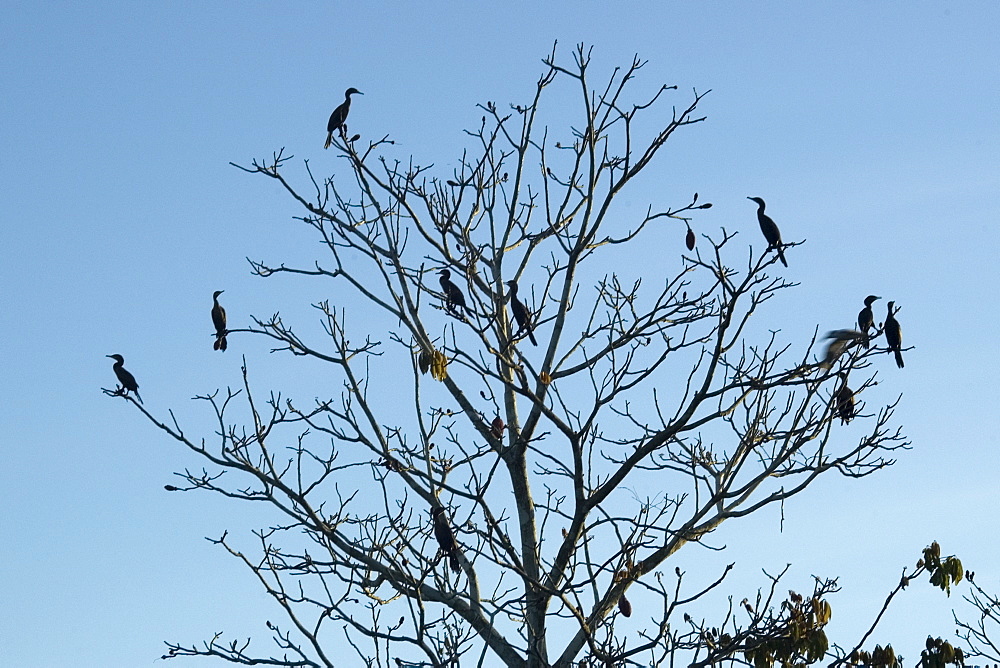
(109,355)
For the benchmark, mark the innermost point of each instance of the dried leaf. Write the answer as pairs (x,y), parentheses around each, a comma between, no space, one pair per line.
(439,365)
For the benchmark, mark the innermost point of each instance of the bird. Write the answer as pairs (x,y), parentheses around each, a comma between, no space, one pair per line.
(840,340)
(453,297)
(844,401)
(219,320)
(769,229)
(339,115)
(866,319)
(894,335)
(521,314)
(445,536)
(124,377)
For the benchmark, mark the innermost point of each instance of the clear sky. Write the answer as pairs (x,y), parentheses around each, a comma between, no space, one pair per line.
(872,129)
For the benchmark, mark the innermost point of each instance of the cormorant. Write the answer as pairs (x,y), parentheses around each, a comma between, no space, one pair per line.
(844,401)
(454,300)
(124,377)
(339,115)
(866,319)
(445,537)
(521,314)
(219,320)
(840,340)
(894,335)
(769,229)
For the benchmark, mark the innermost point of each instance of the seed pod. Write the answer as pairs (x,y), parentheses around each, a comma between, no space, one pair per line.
(625,606)
(689,240)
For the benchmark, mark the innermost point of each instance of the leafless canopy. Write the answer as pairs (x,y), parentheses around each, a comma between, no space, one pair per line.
(570,473)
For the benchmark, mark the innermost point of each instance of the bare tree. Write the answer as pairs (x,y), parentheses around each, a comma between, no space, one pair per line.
(469,498)
(980,635)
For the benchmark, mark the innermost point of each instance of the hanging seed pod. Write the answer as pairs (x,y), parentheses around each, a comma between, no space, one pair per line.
(689,240)
(424,361)
(625,606)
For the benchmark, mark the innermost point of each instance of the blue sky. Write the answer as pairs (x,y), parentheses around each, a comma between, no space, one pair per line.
(872,129)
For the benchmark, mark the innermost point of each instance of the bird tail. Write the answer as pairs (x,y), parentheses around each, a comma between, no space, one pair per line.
(865,341)
(220,343)
(329,140)
(137,396)
(899,358)
(453,560)
(531,335)
(781,255)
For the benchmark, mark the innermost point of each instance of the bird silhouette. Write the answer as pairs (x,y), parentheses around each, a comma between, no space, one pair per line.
(894,335)
(445,536)
(522,316)
(454,300)
(840,340)
(219,320)
(866,319)
(844,401)
(770,230)
(339,115)
(126,379)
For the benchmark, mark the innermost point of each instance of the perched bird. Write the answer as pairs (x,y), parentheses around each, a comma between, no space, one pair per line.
(219,320)
(894,335)
(339,115)
(866,319)
(844,401)
(124,377)
(445,537)
(769,229)
(840,340)
(454,300)
(522,316)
